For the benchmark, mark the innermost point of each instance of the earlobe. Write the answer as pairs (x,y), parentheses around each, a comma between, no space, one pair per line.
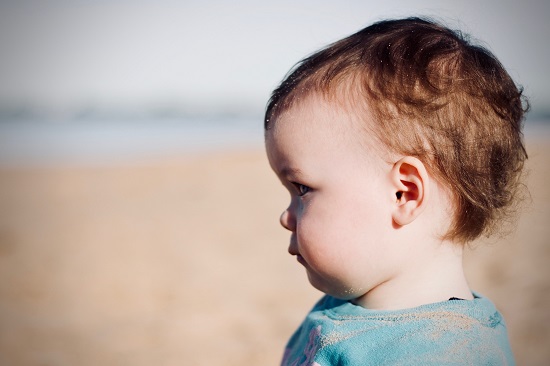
(411,184)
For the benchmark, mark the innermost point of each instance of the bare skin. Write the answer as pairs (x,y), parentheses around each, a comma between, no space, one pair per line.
(367,229)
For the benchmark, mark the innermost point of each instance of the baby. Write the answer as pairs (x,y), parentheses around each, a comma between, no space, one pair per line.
(399,145)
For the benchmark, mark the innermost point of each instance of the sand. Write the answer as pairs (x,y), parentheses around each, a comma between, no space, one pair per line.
(183,262)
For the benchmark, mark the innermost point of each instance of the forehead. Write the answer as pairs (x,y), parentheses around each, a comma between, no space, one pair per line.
(314,114)
(315,126)
(338,117)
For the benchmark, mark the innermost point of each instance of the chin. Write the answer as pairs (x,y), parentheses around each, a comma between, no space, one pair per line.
(339,292)
(347,295)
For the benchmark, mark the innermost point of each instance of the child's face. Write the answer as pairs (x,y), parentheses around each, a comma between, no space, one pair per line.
(340,198)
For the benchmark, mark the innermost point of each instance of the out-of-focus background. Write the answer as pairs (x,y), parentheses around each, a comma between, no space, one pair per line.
(138,215)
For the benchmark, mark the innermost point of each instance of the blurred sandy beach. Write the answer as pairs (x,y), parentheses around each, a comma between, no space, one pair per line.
(139,219)
(183,262)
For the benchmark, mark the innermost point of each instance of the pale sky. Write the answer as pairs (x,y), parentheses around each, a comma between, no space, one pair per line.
(66,54)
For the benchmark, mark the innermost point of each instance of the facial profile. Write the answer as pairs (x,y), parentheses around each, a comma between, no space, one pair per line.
(342,199)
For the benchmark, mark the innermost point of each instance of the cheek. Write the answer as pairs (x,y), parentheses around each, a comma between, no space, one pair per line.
(324,235)
(314,228)
(342,228)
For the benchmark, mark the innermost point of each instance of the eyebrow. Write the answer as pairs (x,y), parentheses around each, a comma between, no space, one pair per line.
(290,172)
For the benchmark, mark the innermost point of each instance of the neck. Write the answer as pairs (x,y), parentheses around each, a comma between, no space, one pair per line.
(423,280)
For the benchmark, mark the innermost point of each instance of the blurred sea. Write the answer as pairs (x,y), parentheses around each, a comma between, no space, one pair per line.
(35,142)
(100,142)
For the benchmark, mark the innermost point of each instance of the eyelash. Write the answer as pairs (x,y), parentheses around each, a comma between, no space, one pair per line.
(301,188)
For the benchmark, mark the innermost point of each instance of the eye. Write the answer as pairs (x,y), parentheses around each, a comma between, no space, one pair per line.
(302,189)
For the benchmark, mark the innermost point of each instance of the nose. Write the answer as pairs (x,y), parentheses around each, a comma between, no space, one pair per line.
(287,220)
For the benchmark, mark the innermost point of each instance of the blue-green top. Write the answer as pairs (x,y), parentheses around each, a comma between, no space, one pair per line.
(454,332)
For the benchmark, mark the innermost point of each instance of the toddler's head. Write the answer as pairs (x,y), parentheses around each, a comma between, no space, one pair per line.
(409,88)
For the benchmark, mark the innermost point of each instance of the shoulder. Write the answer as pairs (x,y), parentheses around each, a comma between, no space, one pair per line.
(452,332)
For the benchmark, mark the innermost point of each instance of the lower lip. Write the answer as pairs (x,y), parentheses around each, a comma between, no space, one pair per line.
(300,259)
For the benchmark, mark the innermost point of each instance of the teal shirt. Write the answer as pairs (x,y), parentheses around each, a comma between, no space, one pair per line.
(454,332)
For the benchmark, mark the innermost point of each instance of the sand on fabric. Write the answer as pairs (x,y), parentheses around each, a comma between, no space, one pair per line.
(183,262)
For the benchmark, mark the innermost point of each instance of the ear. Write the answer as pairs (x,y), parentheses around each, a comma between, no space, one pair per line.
(411,184)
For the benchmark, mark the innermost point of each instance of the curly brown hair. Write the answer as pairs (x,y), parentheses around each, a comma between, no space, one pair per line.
(436,96)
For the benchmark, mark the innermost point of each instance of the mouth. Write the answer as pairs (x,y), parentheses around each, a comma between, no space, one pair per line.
(299,258)
(293,250)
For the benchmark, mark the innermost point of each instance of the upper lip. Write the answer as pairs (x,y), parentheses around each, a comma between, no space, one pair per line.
(293,247)
(293,252)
